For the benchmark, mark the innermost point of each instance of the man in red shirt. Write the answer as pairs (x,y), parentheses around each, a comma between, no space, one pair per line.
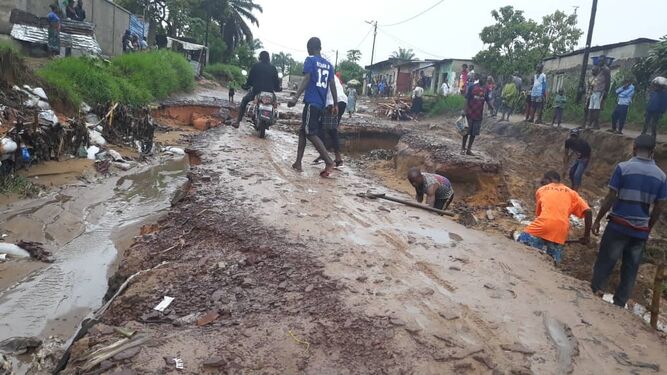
(476,96)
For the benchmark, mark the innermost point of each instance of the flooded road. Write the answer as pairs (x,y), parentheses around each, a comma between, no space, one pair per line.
(85,227)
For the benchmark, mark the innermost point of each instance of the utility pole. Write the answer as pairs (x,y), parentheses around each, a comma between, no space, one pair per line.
(584,65)
(336,64)
(375,33)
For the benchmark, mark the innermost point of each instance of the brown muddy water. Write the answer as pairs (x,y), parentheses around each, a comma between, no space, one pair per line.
(86,227)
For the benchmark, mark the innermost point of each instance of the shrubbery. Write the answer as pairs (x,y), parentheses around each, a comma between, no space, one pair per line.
(449,105)
(136,78)
(226,73)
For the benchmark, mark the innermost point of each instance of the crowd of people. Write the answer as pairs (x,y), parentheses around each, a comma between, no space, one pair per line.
(133,43)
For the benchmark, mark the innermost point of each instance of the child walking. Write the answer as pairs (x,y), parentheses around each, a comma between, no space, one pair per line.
(559,104)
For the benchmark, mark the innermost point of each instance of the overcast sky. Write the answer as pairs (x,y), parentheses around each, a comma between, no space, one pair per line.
(450,30)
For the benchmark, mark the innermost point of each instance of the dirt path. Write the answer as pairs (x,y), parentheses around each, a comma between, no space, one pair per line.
(278,272)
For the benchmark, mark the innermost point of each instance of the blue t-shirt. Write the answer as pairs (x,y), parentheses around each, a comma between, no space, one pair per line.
(321,72)
(639,183)
(53,18)
(657,101)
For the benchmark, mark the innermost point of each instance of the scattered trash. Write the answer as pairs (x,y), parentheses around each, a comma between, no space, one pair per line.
(85,108)
(516,210)
(96,138)
(122,166)
(40,93)
(7,146)
(166,301)
(638,310)
(44,106)
(13,250)
(91,152)
(178,363)
(96,357)
(115,155)
(3,257)
(174,150)
(48,117)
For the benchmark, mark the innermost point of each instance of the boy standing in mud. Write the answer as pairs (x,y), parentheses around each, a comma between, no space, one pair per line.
(635,186)
(554,203)
(318,79)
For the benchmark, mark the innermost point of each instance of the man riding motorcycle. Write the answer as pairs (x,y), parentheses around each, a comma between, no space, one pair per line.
(263,77)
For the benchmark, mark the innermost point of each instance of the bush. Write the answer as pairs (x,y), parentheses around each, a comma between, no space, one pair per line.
(226,73)
(136,78)
(449,105)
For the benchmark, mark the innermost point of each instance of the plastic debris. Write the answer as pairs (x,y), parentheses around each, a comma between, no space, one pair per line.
(44,106)
(166,301)
(48,117)
(115,155)
(40,93)
(97,138)
(85,108)
(91,152)
(13,250)
(174,150)
(179,363)
(661,81)
(7,146)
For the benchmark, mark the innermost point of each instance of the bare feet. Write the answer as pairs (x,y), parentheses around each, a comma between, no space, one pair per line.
(297,167)
(235,124)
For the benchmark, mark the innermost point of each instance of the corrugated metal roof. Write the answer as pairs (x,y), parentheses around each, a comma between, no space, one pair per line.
(40,35)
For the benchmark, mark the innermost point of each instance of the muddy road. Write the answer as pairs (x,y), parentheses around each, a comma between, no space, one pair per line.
(273,271)
(84,225)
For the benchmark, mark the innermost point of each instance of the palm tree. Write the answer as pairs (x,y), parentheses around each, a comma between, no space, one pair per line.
(282,60)
(235,18)
(354,55)
(403,54)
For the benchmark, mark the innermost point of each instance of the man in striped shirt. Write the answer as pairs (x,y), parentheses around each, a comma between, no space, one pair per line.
(635,186)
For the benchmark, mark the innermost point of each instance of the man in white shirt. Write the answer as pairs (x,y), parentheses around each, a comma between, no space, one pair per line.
(417,101)
(330,122)
(444,89)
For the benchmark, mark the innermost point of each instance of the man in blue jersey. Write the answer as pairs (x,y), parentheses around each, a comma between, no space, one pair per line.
(635,186)
(318,77)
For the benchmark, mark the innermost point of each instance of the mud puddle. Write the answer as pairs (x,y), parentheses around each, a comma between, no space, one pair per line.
(85,227)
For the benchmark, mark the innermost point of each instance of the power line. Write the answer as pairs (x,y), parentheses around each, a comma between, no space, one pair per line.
(280,45)
(415,16)
(364,38)
(409,44)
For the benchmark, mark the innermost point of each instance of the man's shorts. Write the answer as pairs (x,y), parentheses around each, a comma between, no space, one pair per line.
(474,127)
(442,195)
(311,120)
(595,101)
(537,99)
(551,248)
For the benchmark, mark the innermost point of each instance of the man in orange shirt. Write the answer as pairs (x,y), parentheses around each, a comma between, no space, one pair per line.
(554,203)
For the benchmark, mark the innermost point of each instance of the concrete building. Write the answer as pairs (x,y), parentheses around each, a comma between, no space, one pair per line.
(567,67)
(111,20)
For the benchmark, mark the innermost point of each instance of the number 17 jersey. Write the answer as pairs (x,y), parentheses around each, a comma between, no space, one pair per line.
(321,72)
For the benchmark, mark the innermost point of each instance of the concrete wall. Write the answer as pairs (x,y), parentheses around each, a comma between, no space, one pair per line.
(110,20)
(628,52)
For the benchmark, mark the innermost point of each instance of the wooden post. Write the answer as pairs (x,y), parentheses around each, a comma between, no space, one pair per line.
(657,294)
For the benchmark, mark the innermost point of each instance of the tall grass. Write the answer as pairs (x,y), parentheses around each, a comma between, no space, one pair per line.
(451,105)
(226,73)
(137,78)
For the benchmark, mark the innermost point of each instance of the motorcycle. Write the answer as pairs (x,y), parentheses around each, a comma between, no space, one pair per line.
(264,112)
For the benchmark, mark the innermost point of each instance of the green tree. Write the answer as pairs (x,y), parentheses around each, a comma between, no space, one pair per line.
(245,54)
(403,54)
(283,61)
(354,55)
(296,69)
(351,70)
(655,64)
(516,43)
(235,18)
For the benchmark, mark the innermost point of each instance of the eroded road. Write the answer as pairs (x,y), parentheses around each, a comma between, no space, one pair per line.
(276,272)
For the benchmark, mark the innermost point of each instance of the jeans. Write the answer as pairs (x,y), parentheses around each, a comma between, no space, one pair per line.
(553,249)
(577,171)
(619,116)
(250,96)
(651,123)
(613,246)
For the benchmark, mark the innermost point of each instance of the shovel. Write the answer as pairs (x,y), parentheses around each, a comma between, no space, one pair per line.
(405,202)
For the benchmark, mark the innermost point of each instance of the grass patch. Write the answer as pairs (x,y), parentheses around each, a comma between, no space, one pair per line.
(12,184)
(136,78)
(225,73)
(449,105)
